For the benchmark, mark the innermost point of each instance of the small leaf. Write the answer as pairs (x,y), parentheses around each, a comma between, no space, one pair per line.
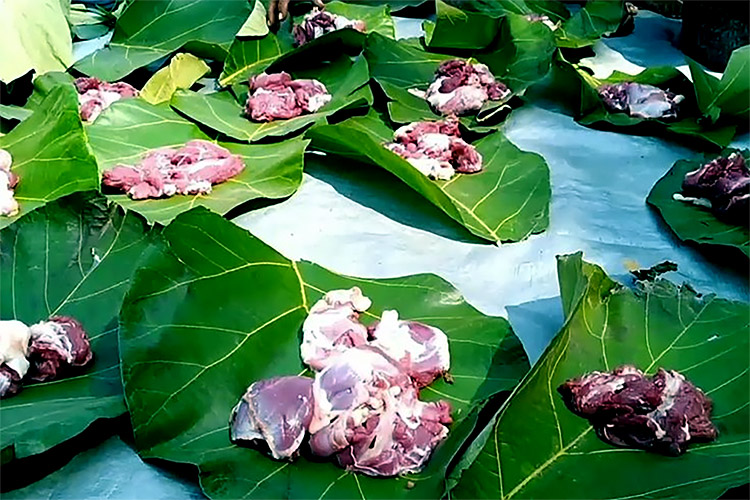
(181,73)
(256,24)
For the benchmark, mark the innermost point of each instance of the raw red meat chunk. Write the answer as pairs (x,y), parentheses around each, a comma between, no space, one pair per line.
(462,88)
(318,22)
(94,96)
(278,97)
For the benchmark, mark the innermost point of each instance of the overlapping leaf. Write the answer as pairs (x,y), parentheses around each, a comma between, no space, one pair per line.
(461,29)
(345,81)
(690,222)
(595,19)
(215,310)
(536,446)
(149,30)
(73,257)
(131,127)
(50,154)
(728,96)
(250,56)
(507,201)
(181,73)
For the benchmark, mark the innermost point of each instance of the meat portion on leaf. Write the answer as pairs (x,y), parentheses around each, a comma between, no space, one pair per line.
(57,345)
(663,413)
(640,100)
(277,96)
(462,88)
(276,411)
(436,149)
(191,169)
(14,345)
(8,181)
(725,183)
(94,95)
(319,22)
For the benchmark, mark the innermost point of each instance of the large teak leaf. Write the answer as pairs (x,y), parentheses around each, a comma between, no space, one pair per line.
(72,257)
(214,310)
(538,449)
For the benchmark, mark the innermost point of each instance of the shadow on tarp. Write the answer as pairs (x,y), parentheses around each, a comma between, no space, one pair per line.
(536,323)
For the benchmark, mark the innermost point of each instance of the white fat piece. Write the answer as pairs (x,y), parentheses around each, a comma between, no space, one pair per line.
(14,345)
(435,141)
(8,204)
(318,101)
(394,338)
(432,168)
(701,202)
(50,332)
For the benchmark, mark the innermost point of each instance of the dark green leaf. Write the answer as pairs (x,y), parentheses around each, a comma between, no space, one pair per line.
(730,95)
(190,349)
(507,201)
(461,29)
(50,154)
(132,127)
(539,449)
(149,30)
(346,81)
(595,19)
(691,222)
(71,257)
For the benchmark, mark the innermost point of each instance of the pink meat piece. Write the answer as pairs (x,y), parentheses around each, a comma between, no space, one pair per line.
(276,411)
(318,22)
(57,345)
(640,100)
(436,149)
(462,88)
(191,169)
(277,96)
(94,95)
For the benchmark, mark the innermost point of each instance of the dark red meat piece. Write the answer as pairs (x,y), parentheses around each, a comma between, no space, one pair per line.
(56,346)
(725,182)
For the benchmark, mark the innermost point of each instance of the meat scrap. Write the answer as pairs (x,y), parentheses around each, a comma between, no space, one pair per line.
(541,18)
(8,181)
(164,172)
(462,88)
(723,185)
(318,22)
(362,408)
(663,413)
(436,149)
(45,351)
(276,96)
(94,95)
(640,100)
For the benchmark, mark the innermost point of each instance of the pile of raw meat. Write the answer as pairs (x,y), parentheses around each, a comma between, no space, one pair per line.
(363,405)
(640,100)
(8,181)
(318,22)
(41,352)
(94,96)
(277,96)
(191,169)
(723,185)
(462,88)
(436,149)
(663,413)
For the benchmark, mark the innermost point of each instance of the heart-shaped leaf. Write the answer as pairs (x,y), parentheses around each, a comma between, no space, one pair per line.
(181,73)
(252,56)
(210,313)
(71,257)
(345,81)
(507,201)
(690,222)
(147,31)
(539,449)
(131,127)
(50,154)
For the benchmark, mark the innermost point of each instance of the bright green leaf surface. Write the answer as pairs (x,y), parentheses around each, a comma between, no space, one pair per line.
(181,73)
(256,24)
(461,29)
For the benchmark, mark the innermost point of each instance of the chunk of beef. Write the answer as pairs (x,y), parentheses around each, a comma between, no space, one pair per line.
(462,88)
(94,96)
(14,344)
(640,100)
(277,96)
(276,411)
(662,413)
(436,149)
(318,22)
(56,346)
(725,183)
(8,181)
(191,169)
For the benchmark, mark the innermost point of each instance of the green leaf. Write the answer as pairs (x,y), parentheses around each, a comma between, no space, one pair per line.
(250,57)
(74,257)
(50,154)
(690,222)
(728,96)
(131,127)
(149,30)
(181,73)
(256,22)
(190,349)
(461,29)
(10,112)
(539,449)
(507,201)
(596,19)
(39,42)
(345,81)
